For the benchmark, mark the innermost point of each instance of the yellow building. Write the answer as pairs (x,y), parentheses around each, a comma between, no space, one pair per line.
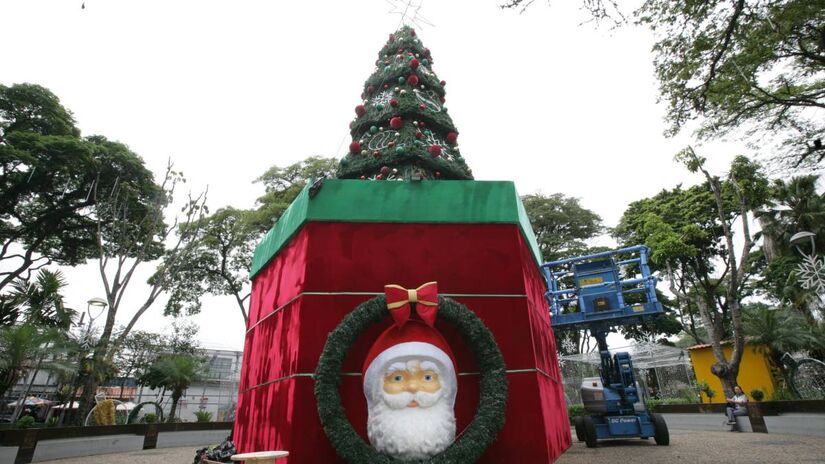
(754,370)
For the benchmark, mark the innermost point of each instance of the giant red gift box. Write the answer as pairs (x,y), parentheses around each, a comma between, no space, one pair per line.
(334,250)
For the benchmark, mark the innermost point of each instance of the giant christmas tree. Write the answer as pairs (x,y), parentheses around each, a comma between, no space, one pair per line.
(402,129)
(317,278)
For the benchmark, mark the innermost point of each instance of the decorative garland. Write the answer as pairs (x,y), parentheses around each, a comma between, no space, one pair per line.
(484,427)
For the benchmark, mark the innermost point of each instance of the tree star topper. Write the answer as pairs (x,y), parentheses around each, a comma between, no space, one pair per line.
(408,10)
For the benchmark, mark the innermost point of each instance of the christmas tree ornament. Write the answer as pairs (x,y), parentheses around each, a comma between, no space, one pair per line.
(443,83)
(403,91)
(365,152)
(414,63)
(394,103)
(355,146)
(376,153)
(373,129)
(419,134)
(452,138)
(435,151)
(385,170)
(413,80)
(402,80)
(360,110)
(395,122)
(379,106)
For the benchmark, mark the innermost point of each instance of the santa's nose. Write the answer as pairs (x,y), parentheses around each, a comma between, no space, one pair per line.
(412,386)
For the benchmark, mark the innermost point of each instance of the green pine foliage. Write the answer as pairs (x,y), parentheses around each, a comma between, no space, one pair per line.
(402,130)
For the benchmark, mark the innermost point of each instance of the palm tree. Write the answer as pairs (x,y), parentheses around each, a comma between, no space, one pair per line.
(779,330)
(174,372)
(41,301)
(21,346)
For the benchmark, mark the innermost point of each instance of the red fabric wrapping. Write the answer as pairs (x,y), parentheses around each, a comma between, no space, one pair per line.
(276,408)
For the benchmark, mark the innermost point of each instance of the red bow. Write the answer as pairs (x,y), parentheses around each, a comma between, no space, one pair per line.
(425,297)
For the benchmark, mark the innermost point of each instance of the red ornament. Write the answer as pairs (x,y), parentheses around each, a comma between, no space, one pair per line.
(386,86)
(414,63)
(438,174)
(360,110)
(427,52)
(385,171)
(393,102)
(370,90)
(379,177)
(419,134)
(452,137)
(392,38)
(421,123)
(376,153)
(355,146)
(435,150)
(443,83)
(395,122)
(363,177)
(413,80)
(442,99)
(412,32)
(422,106)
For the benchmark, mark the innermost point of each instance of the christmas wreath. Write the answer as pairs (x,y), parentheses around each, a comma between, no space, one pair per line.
(471,443)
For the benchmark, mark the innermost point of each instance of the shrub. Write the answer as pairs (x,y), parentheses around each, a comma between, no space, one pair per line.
(705,388)
(25,422)
(203,416)
(52,422)
(150,418)
(782,394)
(655,403)
(757,394)
(575,410)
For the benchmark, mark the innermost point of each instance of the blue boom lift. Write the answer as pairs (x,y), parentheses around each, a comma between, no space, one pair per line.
(588,293)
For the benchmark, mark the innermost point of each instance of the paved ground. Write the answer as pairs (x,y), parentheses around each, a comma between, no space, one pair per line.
(696,447)
(685,446)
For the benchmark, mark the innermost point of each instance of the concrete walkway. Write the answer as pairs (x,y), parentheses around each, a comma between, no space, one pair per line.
(695,447)
(685,446)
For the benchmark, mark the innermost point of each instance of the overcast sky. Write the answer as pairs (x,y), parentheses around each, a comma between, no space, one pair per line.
(227,89)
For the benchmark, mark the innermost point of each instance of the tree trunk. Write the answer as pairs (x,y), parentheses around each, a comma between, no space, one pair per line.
(175,397)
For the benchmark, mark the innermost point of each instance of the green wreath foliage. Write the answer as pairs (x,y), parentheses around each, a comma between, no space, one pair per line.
(481,432)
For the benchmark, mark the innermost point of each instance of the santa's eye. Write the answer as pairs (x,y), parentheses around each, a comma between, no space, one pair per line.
(398,378)
(428,378)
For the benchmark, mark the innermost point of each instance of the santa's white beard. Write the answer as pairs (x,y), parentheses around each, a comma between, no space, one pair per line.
(411,433)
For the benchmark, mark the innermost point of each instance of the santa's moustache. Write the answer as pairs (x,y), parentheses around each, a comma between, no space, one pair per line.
(411,433)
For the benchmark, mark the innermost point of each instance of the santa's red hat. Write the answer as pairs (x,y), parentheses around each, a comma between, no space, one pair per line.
(414,340)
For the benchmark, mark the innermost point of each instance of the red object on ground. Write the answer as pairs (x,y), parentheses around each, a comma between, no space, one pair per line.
(314,280)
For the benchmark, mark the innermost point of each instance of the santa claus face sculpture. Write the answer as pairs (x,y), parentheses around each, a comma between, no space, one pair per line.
(410,389)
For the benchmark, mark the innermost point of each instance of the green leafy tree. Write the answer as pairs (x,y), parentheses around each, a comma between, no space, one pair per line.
(174,372)
(795,206)
(737,65)
(124,245)
(283,184)
(218,261)
(779,331)
(562,226)
(402,129)
(691,235)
